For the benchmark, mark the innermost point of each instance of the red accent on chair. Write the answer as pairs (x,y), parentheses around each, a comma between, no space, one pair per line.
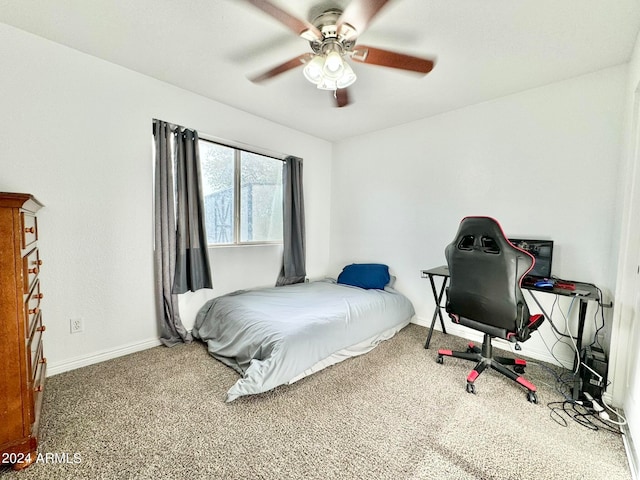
(472,376)
(471,345)
(444,352)
(526,383)
(534,318)
(521,361)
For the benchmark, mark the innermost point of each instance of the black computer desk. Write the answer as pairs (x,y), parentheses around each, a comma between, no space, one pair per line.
(588,292)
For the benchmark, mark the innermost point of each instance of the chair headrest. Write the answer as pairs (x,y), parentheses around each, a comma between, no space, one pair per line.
(485,234)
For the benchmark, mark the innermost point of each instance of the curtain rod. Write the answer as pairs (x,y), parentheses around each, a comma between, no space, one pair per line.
(243,147)
(233,144)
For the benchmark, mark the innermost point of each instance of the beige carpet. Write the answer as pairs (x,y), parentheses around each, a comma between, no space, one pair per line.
(391,414)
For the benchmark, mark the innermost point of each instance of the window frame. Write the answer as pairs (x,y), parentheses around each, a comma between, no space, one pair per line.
(237,195)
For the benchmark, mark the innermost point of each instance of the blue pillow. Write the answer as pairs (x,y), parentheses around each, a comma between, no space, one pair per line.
(365,275)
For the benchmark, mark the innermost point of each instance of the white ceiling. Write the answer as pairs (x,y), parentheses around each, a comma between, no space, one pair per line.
(484,49)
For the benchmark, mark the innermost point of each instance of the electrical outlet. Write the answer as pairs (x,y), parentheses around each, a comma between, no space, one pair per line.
(76,325)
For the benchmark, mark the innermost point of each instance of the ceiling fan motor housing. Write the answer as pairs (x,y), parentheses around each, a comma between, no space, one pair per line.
(327,23)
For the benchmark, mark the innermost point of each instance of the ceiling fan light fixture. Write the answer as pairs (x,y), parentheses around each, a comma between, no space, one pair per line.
(333,65)
(329,72)
(327,84)
(313,70)
(348,77)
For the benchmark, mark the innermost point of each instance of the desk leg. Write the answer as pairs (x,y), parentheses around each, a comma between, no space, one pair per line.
(582,315)
(437,312)
(577,379)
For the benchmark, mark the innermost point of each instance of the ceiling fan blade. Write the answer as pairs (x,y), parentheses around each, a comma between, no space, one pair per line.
(301,28)
(358,15)
(385,58)
(283,67)
(341,96)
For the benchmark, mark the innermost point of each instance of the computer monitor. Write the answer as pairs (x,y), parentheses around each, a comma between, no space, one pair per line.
(542,251)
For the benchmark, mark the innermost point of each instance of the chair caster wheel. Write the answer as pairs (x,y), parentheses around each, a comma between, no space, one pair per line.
(532,397)
(518,369)
(471,388)
(440,360)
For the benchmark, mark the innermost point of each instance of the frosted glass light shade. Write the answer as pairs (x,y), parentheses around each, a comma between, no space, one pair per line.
(313,70)
(327,84)
(333,65)
(347,78)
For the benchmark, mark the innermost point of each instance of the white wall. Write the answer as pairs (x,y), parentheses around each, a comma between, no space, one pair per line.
(75,131)
(544,162)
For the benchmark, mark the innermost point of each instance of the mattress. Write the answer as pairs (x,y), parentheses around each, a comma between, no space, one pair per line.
(274,336)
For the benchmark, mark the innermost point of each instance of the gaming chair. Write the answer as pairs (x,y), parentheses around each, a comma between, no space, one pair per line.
(484,294)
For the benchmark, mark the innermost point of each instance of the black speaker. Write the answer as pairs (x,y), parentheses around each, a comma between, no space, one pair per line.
(593,371)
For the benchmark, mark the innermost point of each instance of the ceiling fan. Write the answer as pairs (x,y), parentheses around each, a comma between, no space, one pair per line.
(333,35)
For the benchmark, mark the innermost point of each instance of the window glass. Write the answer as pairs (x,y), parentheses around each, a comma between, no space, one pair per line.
(261,198)
(255,214)
(217,168)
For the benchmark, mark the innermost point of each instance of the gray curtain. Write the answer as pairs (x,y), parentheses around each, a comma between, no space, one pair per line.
(173,332)
(294,254)
(192,253)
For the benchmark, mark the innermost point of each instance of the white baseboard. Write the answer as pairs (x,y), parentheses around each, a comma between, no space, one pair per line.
(629,447)
(84,360)
(477,337)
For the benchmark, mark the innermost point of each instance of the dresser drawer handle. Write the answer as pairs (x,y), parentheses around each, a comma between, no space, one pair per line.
(34,310)
(33,270)
(44,360)
(39,295)
(30,230)
(39,388)
(39,262)
(41,328)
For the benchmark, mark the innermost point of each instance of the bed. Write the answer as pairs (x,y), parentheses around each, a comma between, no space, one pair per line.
(276,336)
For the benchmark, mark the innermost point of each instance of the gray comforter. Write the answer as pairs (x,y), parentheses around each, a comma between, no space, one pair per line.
(272,335)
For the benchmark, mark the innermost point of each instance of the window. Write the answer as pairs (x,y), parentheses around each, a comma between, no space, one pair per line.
(242,195)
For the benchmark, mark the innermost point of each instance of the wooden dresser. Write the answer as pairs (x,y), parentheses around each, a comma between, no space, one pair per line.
(22,364)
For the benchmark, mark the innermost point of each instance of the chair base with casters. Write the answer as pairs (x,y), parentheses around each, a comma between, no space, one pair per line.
(484,358)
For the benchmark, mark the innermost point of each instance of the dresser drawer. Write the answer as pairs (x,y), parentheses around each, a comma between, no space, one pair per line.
(29,229)
(36,396)
(34,344)
(37,359)
(32,306)
(31,267)
(38,389)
